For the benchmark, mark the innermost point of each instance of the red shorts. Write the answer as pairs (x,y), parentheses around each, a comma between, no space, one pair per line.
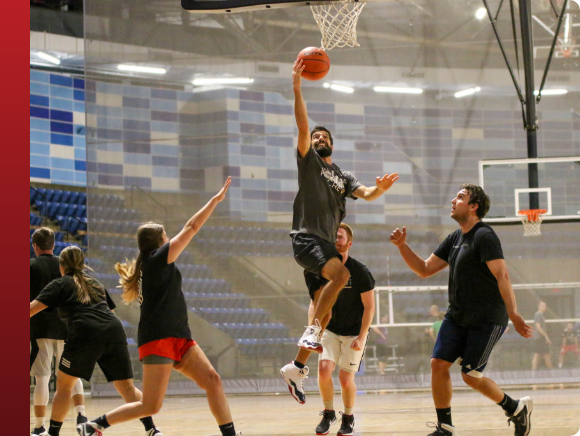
(569,349)
(172,348)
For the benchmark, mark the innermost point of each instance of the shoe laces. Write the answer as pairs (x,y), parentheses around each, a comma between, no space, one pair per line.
(327,414)
(438,430)
(345,417)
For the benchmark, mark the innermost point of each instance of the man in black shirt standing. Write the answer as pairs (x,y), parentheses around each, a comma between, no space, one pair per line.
(345,337)
(319,208)
(47,330)
(541,339)
(481,300)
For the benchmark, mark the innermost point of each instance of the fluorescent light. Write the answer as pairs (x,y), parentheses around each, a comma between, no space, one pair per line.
(480,13)
(341,88)
(48,58)
(223,81)
(552,92)
(326,85)
(141,69)
(398,90)
(467,92)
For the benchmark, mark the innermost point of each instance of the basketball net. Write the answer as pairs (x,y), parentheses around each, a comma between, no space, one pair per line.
(531,219)
(337,23)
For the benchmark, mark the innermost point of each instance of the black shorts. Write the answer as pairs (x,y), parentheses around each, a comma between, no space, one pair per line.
(313,283)
(540,346)
(382,352)
(312,252)
(113,358)
(469,346)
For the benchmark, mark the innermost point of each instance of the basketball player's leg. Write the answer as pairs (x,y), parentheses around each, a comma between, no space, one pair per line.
(337,275)
(78,397)
(61,402)
(196,366)
(41,353)
(304,353)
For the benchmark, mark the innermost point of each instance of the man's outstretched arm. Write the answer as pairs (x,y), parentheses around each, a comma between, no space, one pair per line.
(423,268)
(383,184)
(300,112)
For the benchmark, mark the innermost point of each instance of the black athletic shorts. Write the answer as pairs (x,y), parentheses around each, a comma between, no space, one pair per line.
(312,252)
(540,346)
(113,358)
(468,346)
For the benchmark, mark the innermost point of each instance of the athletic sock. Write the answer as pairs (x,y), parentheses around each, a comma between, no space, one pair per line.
(298,364)
(228,429)
(102,421)
(54,429)
(80,409)
(328,405)
(348,410)
(444,416)
(508,404)
(147,422)
(39,421)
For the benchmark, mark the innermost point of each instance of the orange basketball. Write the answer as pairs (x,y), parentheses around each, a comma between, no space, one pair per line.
(316,63)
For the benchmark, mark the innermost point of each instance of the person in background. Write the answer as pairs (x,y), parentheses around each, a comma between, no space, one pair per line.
(434,329)
(569,343)
(542,342)
(381,342)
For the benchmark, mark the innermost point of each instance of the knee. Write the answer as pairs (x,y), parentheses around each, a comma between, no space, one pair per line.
(324,371)
(469,380)
(346,382)
(439,366)
(341,275)
(212,380)
(152,407)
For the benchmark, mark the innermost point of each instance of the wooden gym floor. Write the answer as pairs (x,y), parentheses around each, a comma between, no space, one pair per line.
(556,413)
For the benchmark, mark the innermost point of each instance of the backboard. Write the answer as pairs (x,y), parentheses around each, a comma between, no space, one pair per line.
(506,183)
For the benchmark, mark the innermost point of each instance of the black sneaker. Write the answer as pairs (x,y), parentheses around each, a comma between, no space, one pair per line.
(89,429)
(328,417)
(441,429)
(347,425)
(522,417)
(81,419)
(38,431)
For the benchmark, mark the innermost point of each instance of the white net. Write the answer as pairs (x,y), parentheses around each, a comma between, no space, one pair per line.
(337,22)
(532,219)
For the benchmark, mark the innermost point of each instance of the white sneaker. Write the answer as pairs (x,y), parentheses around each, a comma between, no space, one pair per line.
(442,429)
(310,340)
(294,377)
(89,429)
(522,417)
(154,432)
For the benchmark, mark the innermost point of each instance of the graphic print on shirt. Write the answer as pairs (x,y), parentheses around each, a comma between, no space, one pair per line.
(335,181)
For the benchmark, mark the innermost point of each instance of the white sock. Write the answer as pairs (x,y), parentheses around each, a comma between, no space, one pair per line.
(80,409)
(39,422)
(348,410)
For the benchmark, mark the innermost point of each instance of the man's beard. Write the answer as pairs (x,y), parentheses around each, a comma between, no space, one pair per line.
(324,151)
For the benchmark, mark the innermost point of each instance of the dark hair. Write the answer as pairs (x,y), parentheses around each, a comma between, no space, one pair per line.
(348,230)
(43,238)
(149,238)
(72,260)
(479,197)
(324,129)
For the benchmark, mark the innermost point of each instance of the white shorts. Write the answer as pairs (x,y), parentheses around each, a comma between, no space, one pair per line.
(47,348)
(337,349)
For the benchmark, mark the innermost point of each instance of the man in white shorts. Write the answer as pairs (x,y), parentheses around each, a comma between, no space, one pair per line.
(47,331)
(345,337)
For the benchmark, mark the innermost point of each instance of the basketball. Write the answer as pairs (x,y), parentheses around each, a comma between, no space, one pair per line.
(316,61)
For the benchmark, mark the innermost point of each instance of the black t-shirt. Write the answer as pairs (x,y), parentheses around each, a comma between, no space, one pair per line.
(474,295)
(320,204)
(45,325)
(569,335)
(163,310)
(348,310)
(86,322)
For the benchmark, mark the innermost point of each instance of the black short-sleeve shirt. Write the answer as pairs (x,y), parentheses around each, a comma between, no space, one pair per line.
(474,295)
(45,325)
(320,204)
(539,319)
(86,322)
(347,312)
(163,309)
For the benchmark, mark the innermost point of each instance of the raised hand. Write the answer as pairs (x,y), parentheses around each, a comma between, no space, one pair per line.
(399,237)
(222,192)
(385,182)
(297,73)
(520,325)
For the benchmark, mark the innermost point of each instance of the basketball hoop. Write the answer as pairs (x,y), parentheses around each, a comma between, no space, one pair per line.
(531,219)
(337,22)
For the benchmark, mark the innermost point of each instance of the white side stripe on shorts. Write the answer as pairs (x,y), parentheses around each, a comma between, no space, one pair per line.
(65,363)
(494,337)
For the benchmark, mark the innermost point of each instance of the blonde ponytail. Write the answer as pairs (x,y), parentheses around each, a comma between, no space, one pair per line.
(72,260)
(130,279)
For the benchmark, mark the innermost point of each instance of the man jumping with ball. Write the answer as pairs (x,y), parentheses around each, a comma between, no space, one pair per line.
(481,300)
(319,208)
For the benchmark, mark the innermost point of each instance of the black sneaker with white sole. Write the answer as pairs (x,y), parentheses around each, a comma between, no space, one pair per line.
(347,425)
(81,419)
(89,429)
(441,429)
(328,418)
(522,417)
(38,431)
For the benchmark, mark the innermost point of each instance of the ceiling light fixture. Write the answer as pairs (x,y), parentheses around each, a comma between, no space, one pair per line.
(340,88)
(467,92)
(398,90)
(480,13)
(223,81)
(141,69)
(48,58)
(552,92)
